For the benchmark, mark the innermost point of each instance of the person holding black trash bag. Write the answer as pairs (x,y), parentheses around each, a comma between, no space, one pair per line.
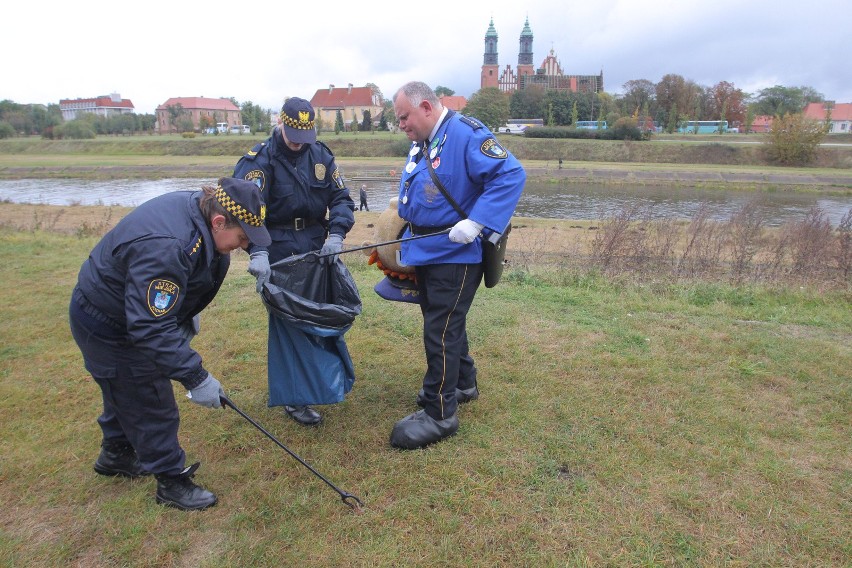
(458,178)
(302,185)
(133,313)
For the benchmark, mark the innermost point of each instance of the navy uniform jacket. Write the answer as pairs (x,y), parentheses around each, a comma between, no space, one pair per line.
(308,189)
(149,275)
(485,180)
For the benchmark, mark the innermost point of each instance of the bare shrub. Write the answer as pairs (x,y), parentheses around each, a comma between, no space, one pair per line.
(743,231)
(663,237)
(621,241)
(704,241)
(809,243)
(843,248)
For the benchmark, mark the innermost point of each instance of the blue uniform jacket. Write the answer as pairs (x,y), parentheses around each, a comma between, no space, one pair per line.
(484,179)
(309,189)
(155,270)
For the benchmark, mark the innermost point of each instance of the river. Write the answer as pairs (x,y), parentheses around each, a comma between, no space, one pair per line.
(544,199)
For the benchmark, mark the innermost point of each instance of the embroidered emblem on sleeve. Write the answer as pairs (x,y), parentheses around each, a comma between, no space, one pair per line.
(162,296)
(258,178)
(493,149)
(338,179)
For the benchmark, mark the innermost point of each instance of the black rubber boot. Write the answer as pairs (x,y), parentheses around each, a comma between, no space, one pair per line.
(180,492)
(119,458)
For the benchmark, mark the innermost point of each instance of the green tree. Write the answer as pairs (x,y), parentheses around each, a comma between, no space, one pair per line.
(490,106)
(575,114)
(528,103)
(338,123)
(794,139)
(779,100)
(353,126)
(7,130)
(442,91)
(175,112)
(367,121)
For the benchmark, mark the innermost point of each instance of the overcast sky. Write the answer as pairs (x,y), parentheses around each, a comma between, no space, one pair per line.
(264,51)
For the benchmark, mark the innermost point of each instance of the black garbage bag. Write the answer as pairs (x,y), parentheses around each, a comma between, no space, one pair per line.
(312,302)
(314,294)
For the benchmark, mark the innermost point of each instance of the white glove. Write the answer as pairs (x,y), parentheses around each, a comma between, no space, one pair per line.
(333,244)
(208,393)
(465,231)
(259,267)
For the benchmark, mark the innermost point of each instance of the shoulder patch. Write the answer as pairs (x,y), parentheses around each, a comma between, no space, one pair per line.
(493,149)
(162,296)
(338,179)
(252,154)
(472,122)
(257,177)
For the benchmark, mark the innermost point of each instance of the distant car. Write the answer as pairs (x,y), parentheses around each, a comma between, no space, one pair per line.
(221,127)
(512,129)
(240,129)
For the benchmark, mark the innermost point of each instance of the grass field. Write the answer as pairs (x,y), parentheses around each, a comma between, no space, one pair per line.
(620,424)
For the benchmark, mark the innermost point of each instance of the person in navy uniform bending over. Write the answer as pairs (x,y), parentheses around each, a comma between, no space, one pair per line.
(486,182)
(133,313)
(302,185)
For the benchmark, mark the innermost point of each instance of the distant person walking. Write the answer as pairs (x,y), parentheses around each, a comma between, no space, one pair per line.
(363,195)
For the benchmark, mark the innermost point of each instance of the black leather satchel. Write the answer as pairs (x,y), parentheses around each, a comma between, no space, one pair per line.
(493,247)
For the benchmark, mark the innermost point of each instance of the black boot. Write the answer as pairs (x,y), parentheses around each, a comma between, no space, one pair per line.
(119,458)
(179,491)
(419,430)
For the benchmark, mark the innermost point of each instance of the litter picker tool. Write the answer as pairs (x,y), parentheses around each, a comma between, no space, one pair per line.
(365,247)
(349,499)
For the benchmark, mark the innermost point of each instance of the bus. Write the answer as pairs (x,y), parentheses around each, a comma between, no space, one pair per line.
(526,121)
(702,126)
(591,124)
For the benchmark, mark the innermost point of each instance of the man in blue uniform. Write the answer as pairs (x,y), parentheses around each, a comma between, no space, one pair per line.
(301,184)
(485,182)
(133,313)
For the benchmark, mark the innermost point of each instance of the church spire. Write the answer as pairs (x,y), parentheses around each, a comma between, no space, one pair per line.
(525,55)
(490,45)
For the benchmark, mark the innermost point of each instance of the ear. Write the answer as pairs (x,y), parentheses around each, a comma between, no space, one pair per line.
(427,107)
(217,222)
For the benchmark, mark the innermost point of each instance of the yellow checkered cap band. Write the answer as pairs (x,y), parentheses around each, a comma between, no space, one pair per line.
(303,122)
(238,210)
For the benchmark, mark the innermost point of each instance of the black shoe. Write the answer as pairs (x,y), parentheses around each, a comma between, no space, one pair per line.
(180,492)
(119,458)
(304,415)
(462,396)
(419,429)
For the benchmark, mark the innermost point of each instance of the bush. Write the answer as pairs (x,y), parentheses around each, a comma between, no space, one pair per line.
(75,129)
(188,134)
(794,139)
(7,130)
(623,129)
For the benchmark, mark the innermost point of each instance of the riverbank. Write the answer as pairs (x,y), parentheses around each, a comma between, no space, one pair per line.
(725,162)
(106,167)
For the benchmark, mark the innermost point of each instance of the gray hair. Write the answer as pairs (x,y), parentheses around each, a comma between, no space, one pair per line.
(416,92)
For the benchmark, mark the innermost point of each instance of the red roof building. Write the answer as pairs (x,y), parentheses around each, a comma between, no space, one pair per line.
(840,115)
(454,102)
(198,110)
(103,105)
(351,101)
(761,123)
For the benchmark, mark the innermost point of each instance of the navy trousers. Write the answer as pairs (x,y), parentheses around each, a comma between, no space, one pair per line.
(139,405)
(446,293)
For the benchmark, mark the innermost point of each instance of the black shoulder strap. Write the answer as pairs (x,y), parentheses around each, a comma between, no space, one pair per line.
(441,187)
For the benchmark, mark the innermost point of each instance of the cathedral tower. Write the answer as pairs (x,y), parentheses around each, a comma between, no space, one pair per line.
(489,62)
(525,54)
